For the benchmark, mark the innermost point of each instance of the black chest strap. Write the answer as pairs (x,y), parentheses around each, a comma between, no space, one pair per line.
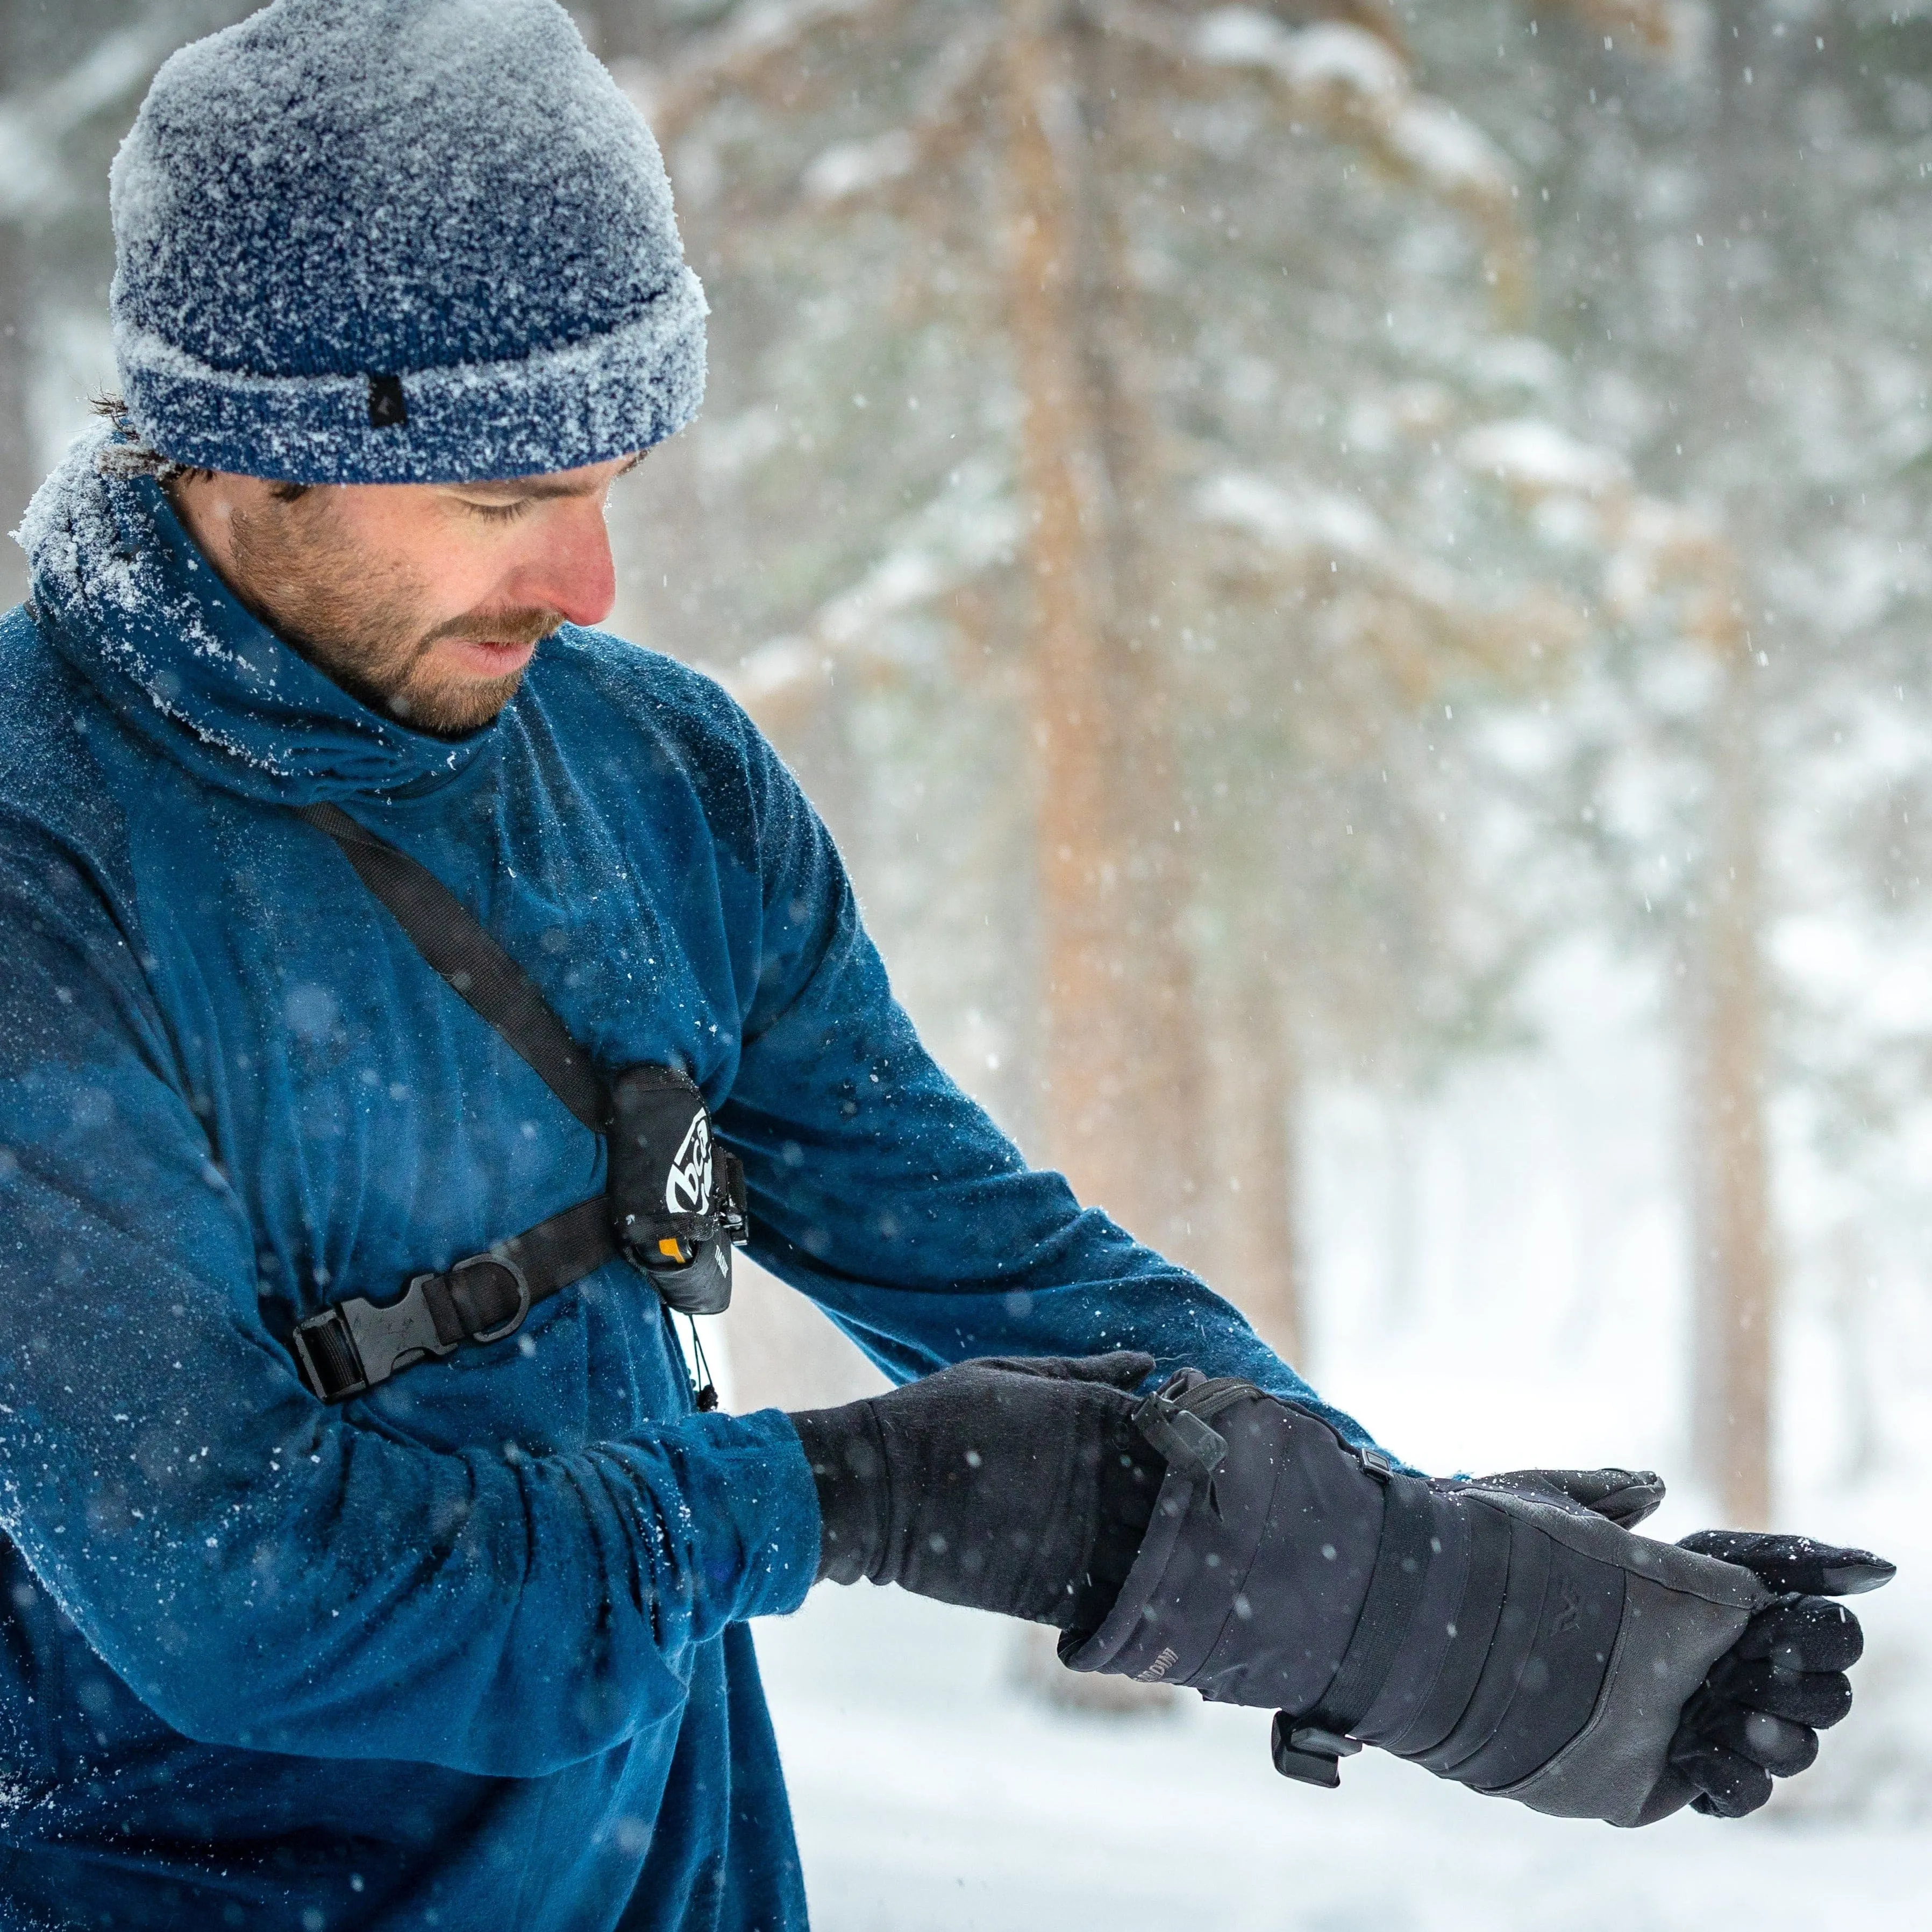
(357,1343)
(443,929)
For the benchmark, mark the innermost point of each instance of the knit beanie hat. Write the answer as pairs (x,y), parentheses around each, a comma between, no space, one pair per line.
(399,241)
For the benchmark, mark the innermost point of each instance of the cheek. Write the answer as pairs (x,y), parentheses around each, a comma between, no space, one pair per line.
(438,566)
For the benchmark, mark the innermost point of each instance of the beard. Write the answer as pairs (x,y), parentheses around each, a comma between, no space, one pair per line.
(362,623)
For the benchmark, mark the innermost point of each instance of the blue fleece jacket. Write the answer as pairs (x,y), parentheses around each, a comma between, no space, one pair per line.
(471,1651)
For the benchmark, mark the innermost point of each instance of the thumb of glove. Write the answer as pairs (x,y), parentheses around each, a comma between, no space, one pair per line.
(1795,1565)
(1623,1497)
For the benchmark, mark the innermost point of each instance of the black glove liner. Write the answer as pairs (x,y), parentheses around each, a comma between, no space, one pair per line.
(1016,1486)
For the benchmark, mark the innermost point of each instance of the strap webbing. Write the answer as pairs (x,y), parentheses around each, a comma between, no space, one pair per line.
(564,1249)
(357,1344)
(448,936)
(1395,1593)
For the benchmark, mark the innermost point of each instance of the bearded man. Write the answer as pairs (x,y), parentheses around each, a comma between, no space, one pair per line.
(382,945)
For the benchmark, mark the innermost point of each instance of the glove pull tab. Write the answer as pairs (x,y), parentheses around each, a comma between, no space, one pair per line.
(1168,1420)
(1307,1753)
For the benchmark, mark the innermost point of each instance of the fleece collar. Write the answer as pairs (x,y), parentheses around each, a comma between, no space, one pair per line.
(121,591)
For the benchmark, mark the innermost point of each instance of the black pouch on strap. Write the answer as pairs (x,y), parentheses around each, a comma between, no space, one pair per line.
(677,1198)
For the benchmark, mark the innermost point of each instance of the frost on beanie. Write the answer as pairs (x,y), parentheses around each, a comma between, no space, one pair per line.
(399,241)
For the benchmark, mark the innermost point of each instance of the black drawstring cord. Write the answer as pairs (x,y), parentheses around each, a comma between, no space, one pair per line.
(703,1390)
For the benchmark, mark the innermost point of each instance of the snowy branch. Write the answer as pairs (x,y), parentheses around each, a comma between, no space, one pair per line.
(35,122)
(947,112)
(1421,620)
(1655,23)
(1353,85)
(755,44)
(1650,547)
(972,526)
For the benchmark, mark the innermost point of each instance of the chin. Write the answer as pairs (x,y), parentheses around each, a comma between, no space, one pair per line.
(454,710)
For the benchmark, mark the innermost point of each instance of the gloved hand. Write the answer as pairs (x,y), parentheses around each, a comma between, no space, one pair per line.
(1020,1486)
(1504,1634)
(1758,1714)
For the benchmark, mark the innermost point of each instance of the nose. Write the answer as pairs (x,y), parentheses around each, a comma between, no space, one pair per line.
(567,568)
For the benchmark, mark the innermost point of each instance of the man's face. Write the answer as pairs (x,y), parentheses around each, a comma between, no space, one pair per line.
(425,600)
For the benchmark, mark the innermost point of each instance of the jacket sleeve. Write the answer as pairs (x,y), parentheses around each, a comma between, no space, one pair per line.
(261,1570)
(880,1190)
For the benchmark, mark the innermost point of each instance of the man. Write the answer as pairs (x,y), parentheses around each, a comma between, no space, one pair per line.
(380,945)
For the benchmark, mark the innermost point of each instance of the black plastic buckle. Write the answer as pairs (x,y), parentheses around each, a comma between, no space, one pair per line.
(1308,1753)
(352,1347)
(358,1343)
(326,1354)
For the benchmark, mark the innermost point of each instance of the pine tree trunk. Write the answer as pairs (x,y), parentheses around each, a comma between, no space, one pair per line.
(1166,1075)
(1121,1073)
(1099,1022)
(1078,855)
(1736,1270)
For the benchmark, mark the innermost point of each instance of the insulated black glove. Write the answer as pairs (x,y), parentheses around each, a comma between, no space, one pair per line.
(1020,1486)
(1504,1634)
(1757,1715)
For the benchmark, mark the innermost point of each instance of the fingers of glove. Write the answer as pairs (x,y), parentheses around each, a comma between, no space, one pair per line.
(1624,1497)
(1635,1496)
(1795,1564)
(1728,1786)
(1783,1748)
(1803,1633)
(1818,1698)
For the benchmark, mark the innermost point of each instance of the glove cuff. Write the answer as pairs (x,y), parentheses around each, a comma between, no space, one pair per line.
(846,1453)
(1210,1596)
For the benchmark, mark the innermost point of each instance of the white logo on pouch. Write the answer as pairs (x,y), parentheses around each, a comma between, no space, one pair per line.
(688,1186)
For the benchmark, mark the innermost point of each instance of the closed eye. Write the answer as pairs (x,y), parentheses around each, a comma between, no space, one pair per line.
(496,513)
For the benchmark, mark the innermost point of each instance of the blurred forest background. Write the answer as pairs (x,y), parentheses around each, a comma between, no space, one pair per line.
(1350,576)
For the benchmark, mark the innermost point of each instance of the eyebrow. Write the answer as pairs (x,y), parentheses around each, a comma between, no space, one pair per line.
(542,487)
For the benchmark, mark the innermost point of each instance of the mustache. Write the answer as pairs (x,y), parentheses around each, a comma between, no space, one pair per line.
(525,624)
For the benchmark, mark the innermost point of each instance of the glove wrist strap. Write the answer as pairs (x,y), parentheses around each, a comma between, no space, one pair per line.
(1307,1747)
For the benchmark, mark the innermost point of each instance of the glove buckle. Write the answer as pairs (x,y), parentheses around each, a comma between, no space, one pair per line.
(1309,1754)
